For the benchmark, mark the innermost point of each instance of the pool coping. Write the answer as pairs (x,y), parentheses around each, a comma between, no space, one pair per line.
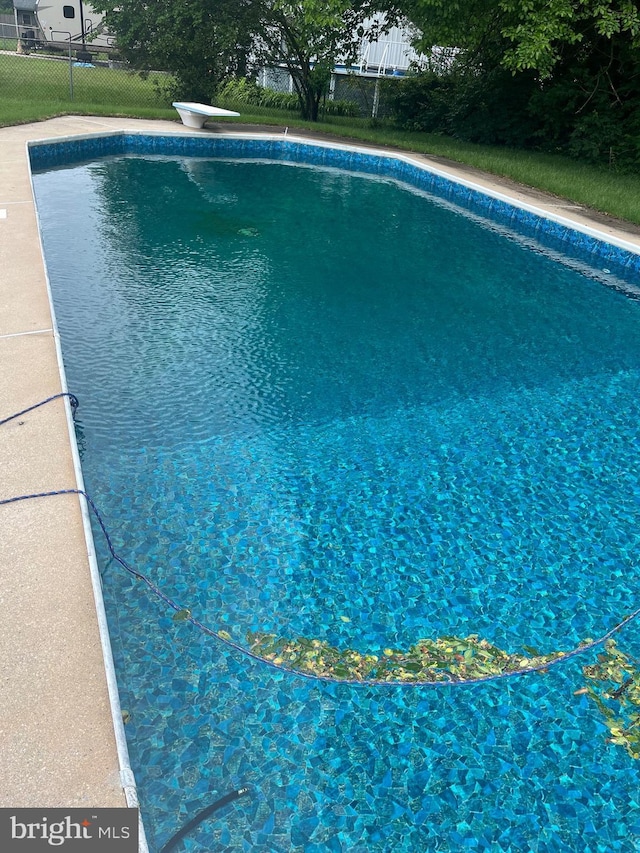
(125,772)
(27,319)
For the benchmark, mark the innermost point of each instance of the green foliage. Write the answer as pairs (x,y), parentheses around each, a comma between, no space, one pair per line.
(613,682)
(421,102)
(489,108)
(541,30)
(523,34)
(594,137)
(339,108)
(566,72)
(614,686)
(200,42)
(591,111)
(277,100)
(239,91)
(308,37)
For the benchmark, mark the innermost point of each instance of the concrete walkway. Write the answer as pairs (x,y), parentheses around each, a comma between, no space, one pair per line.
(58,743)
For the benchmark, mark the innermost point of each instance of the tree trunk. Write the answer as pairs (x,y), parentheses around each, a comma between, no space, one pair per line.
(313,103)
(308,96)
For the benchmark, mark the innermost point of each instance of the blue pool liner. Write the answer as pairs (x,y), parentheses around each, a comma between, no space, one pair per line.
(551,233)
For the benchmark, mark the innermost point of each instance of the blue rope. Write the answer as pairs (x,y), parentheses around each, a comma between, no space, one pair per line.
(73,400)
(365,682)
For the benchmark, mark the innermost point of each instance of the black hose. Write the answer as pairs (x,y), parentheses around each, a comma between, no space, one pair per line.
(201,816)
(73,400)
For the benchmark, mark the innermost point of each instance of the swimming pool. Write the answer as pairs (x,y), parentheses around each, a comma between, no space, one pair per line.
(339,453)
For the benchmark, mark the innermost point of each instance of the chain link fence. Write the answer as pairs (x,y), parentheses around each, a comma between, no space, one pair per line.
(65,72)
(368,92)
(32,70)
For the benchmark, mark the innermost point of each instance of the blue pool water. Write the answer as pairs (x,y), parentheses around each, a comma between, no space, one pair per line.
(332,406)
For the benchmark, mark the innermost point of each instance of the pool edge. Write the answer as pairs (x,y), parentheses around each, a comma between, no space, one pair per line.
(126,775)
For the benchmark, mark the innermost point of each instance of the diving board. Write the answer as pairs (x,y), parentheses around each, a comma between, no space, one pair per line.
(195,115)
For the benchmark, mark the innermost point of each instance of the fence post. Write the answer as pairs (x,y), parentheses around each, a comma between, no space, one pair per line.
(66,33)
(376,99)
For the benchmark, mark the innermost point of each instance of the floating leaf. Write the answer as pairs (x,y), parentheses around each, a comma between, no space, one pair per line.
(182,615)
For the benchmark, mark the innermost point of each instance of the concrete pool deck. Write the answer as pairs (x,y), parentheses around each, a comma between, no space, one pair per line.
(60,746)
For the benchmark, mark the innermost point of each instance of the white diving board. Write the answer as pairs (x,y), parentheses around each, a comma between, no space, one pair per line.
(195,115)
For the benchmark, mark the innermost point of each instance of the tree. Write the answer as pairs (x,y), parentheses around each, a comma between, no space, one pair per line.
(586,54)
(540,32)
(200,42)
(533,34)
(575,65)
(310,36)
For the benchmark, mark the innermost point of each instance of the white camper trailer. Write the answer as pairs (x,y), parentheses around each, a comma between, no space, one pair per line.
(57,23)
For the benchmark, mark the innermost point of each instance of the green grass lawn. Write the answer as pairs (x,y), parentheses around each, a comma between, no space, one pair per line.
(43,86)
(33,88)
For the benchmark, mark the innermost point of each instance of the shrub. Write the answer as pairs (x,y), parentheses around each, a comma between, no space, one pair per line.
(596,122)
(241,90)
(592,117)
(488,107)
(340,108)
